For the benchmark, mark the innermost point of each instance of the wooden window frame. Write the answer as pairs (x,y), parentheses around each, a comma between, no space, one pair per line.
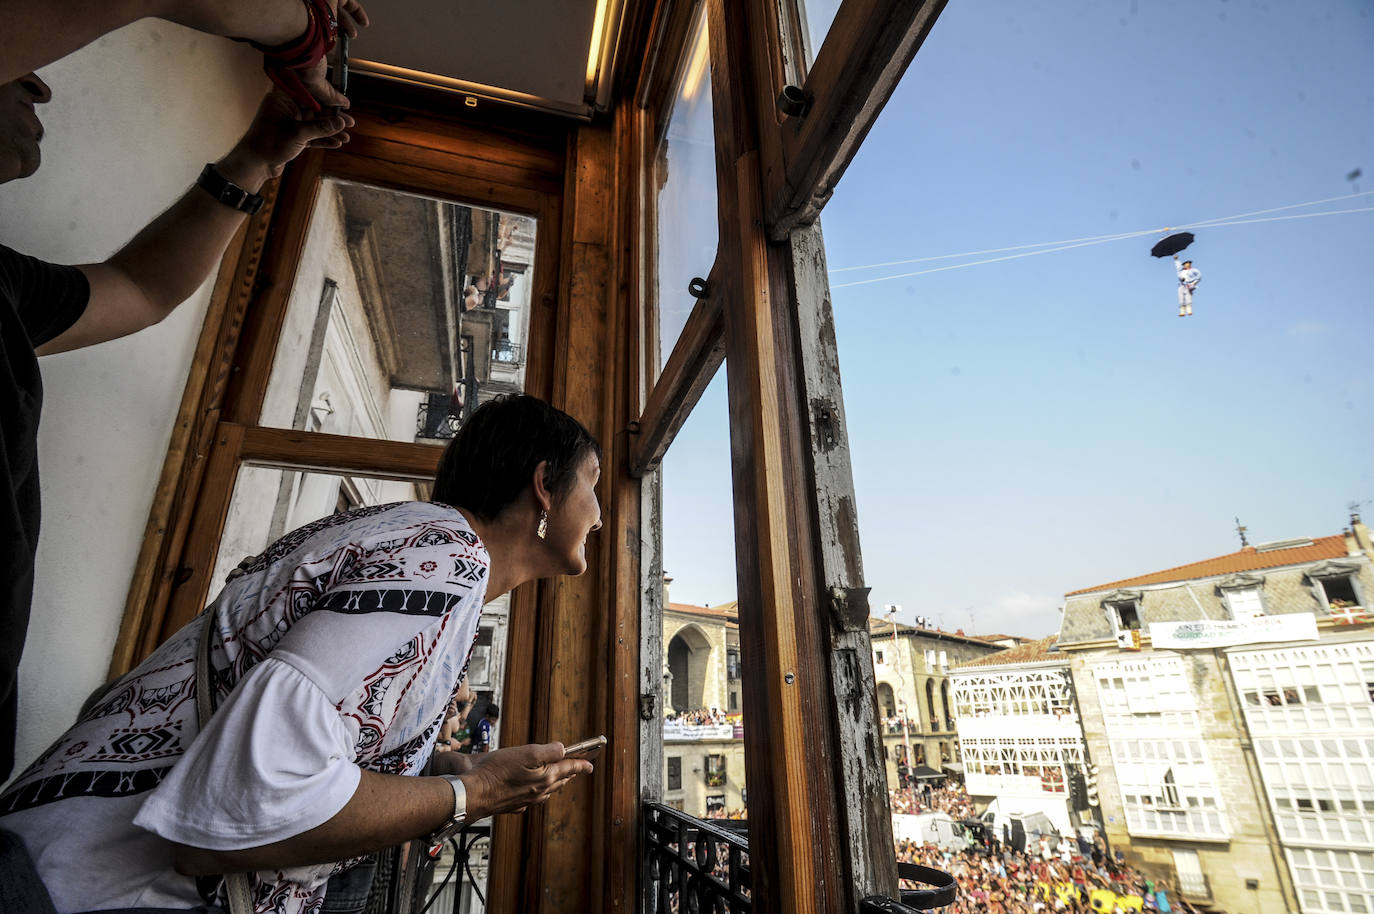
(867,50)
(564,175)
(216,429)
(797,553)
(818,841)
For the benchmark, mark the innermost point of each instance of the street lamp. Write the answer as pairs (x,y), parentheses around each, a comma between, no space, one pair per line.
(892,610)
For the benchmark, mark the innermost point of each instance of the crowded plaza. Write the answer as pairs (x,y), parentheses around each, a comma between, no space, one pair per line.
(1053,873)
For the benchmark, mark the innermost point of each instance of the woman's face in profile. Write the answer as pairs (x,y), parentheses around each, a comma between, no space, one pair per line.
(574,517)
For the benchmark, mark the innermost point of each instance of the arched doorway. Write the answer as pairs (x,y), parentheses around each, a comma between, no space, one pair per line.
(887,701)
(688,654)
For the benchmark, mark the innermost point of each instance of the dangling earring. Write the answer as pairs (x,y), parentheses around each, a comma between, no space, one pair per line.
(543,529)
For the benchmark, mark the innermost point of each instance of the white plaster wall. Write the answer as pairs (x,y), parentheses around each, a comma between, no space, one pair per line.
(133,118)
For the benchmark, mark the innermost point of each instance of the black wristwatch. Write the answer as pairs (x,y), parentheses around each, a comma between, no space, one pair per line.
(227,192)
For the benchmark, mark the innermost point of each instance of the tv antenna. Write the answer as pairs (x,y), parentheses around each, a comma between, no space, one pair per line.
(1241,528)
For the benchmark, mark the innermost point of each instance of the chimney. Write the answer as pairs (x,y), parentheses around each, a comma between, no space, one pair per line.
(1352,547)
(1361,534)
(667,587)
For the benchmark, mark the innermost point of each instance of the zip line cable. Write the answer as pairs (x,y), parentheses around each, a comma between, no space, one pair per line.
(1261,212)
(975,263)
(1118,235)
(1056,246)
(1015,247)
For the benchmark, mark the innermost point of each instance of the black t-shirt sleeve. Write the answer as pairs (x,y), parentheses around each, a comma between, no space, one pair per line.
(47,297)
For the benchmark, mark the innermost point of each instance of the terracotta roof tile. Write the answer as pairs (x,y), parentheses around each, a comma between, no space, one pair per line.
(729,611)
(1247,559)
(1030,652)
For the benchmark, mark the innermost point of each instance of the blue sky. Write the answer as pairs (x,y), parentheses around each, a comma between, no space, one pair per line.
(1027,428)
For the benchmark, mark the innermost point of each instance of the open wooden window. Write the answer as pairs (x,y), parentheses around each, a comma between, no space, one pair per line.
(607,328)
(817,839)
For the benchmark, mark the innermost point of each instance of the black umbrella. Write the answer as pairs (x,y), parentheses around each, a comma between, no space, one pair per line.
(1172,245)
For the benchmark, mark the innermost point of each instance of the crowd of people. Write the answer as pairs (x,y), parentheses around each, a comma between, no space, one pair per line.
(1052,874)
(897,725)
(928,797)
(700,717)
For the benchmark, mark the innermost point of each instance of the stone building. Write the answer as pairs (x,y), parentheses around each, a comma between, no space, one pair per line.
(1020,733)
(703,735)
(911,665)
(1229,704)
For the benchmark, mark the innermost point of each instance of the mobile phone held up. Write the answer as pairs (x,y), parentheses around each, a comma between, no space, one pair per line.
(588,749)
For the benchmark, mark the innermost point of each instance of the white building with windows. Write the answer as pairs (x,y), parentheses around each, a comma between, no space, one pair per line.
(1229,704)
(1022,741)
(1310,712)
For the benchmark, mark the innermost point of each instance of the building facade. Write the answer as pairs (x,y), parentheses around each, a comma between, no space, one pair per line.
(1229,705)
(703,730)
(915,710)
(1020,732)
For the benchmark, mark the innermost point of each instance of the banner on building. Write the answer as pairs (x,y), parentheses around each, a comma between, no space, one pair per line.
(1207,633)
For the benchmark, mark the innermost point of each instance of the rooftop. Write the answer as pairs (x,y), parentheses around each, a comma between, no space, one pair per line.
(880,627)
(1250,558)
(728,612)
(1029,652)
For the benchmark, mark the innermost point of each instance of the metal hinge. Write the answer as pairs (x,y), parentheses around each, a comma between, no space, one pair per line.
(827,419)
(849,607)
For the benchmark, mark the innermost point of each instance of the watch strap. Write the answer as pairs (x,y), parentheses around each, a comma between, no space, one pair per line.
(227,192)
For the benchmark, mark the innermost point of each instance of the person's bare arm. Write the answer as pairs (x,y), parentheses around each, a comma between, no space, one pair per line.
(36,33)
(387,810)
(150,276)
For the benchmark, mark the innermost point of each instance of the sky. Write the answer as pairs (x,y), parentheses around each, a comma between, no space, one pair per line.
(1027,428)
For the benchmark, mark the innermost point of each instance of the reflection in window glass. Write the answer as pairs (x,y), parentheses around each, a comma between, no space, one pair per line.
(685,172)
(819,15)
(406,313)
(269,503)
(703,664)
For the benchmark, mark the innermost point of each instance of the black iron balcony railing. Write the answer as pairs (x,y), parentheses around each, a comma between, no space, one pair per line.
(694,865)
(439,417)
(703,866)
(505,352)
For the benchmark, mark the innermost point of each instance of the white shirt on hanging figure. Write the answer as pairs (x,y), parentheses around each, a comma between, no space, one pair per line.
(1188,278)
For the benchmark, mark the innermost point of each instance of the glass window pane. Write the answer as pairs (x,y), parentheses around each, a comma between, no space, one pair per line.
(818,16)
(405,314)
(685,175)
(268,503)
(703,663)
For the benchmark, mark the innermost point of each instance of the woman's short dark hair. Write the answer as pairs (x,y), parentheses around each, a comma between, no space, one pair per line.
(493,457)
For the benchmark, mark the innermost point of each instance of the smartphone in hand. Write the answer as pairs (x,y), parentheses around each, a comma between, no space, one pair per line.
(588,749)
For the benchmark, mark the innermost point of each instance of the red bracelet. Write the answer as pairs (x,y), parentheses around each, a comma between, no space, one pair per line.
(282,61)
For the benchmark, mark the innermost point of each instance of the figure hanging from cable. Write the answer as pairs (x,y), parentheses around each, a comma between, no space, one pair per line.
(1188,278)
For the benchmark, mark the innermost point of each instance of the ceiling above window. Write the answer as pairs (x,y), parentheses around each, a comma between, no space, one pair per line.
(554,55)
